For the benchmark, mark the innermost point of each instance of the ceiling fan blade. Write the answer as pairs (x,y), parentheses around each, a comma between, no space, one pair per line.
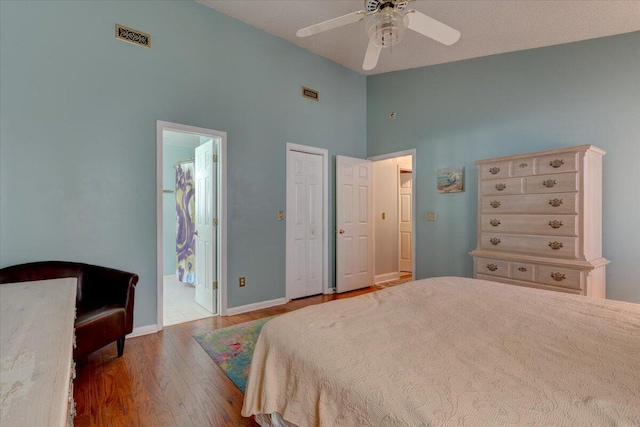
(371,57)
(332,23)
(425,25)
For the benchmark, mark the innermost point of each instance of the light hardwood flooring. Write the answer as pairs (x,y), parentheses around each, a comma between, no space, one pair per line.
(167,379)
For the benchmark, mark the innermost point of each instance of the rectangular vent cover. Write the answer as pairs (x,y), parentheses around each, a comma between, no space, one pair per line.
(132,36)
(310,93)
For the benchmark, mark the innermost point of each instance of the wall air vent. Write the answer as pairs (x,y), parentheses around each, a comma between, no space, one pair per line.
(132,36)
(310,93)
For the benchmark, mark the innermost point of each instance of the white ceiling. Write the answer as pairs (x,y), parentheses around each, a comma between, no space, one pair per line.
(488,27)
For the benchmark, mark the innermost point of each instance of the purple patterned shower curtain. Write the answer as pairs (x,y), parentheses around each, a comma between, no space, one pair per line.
(185,217)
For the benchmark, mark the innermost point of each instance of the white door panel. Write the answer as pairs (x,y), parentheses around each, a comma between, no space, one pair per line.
(354,222)
(305,185)
(205,177)
(406,184)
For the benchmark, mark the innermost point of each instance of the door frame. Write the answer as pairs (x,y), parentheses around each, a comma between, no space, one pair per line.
(221,214)
(289,264)
(412,153)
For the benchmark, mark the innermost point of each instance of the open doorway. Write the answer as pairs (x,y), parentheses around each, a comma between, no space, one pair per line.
(375,220)
(191,223)
(393,219)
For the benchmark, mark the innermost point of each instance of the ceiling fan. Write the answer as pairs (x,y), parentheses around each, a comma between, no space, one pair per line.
(386,25)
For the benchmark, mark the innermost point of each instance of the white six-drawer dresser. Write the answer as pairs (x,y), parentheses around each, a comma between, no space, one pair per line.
(540,221)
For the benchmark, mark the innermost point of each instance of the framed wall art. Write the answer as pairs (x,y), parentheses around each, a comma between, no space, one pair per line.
(450,180)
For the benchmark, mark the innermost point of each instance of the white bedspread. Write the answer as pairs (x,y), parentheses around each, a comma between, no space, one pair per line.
(451,351)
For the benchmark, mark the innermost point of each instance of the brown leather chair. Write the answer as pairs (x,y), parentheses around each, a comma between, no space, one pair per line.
(104,300)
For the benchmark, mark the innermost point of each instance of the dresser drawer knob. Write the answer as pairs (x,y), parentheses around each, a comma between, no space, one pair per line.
(555,202)
(494,170)
(549,183)
(556,163)
(492,267)
(555,224)
(494,241)
(495,222)
(494,203)
(523,165)
(558,277)
(555,245)
(522,269)
(500,186)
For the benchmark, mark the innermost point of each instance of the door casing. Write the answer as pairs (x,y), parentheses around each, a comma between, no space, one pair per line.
(222,212)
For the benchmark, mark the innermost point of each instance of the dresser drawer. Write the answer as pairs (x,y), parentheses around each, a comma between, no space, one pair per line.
(548,246)
(557,203)
(492,267)
(552,225)
(495,170)
(558,183)
(502,186)
(530,284)
(522,271)
(522,167)
(558,163)
(559,276)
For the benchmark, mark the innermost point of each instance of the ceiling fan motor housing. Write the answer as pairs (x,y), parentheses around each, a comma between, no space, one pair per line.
(386,28)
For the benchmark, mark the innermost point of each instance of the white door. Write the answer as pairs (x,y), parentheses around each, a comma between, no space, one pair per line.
(354,223)
(206,256)
(304,182)
(404,215)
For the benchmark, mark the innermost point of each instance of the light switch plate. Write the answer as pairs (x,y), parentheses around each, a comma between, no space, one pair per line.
(431,216)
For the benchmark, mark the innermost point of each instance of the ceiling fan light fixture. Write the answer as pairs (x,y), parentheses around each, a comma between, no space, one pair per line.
(386,29)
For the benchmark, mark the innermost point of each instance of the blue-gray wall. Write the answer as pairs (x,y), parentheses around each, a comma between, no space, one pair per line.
(78,112)
(560,96)
(171,154)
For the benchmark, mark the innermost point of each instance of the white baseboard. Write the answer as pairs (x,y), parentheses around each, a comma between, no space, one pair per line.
(255,306)
(387,277)
(143,330)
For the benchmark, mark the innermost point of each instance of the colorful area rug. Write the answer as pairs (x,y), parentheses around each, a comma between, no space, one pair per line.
(232,347)
(392,283)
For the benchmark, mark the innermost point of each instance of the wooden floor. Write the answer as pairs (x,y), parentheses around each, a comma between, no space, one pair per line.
(167,379)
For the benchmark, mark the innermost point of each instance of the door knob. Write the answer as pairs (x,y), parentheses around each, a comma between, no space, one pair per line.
(195,233)
(341,231)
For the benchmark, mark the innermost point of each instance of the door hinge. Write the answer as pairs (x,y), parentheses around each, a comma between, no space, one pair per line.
(215,285)
(215,222)
(215,158)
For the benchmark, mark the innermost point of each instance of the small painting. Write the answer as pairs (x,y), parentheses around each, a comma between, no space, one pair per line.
(451,180)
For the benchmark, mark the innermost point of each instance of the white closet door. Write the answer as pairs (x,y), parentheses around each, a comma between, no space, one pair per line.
(404,210)
(305,188)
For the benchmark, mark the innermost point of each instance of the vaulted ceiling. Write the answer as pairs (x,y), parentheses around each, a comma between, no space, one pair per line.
(488,27)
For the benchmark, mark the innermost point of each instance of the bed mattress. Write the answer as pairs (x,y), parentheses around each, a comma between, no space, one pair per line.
(451,351)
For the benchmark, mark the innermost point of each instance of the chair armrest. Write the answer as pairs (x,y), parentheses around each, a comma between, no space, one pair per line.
(104,286)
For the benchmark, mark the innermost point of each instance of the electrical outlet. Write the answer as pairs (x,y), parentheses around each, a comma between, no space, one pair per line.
(242,282)
(384,215)
(280,215)
(431,216)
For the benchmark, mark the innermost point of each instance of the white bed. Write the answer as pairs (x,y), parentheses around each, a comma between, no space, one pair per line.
(450,351)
